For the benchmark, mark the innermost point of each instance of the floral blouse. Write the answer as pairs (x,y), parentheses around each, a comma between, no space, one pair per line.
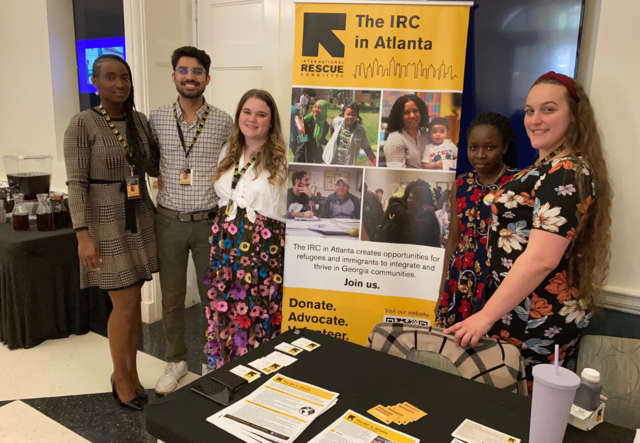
(468,271)
(544,198)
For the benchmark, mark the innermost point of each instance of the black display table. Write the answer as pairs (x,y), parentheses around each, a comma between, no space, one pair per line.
(365,378)
(40,296)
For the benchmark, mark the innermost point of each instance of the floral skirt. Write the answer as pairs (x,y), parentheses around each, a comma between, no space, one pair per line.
(245,285)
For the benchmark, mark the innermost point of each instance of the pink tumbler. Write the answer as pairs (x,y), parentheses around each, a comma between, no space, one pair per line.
(553,393)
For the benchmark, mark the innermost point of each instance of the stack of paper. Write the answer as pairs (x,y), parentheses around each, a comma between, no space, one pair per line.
(401,414)
(355,428)
(272,362)
(278,411)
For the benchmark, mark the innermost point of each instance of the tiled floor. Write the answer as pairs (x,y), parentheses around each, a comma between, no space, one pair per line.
(59,391)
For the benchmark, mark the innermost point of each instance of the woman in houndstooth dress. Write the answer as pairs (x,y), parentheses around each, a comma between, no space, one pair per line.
(116,236)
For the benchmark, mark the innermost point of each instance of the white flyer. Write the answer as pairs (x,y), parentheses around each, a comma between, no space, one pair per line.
(472,432)
(262,365)
(278,411)
(355,428)
(289,349)
(246,373)
(305,344)
(280,358)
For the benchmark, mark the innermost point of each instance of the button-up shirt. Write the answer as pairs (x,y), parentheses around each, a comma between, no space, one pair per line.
(202,160)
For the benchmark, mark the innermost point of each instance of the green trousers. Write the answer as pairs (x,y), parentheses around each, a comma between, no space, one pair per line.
(175,239)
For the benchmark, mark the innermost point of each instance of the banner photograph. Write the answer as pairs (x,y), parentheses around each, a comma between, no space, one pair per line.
(375,117)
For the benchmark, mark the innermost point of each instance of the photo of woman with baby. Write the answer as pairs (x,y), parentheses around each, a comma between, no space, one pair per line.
(420,131)
(334,126)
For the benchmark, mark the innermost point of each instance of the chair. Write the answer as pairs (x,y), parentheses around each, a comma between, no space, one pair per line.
(618,361)
(492,362)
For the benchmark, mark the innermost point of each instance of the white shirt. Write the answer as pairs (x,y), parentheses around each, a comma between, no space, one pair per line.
(256,195)
(447,150)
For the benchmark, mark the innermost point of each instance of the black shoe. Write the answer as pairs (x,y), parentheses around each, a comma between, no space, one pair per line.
(133,405)
(142,394)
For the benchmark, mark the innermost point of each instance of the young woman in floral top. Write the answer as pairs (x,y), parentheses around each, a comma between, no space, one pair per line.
(549,237)
(492,151)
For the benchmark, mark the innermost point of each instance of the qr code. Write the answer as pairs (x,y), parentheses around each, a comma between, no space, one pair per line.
(407,320)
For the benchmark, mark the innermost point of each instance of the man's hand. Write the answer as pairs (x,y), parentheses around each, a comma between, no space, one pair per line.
(305,189)
(308,214)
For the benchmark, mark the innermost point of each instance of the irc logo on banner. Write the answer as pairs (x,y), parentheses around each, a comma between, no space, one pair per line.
(318,30)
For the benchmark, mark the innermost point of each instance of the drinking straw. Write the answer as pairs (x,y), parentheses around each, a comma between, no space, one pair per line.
(557,358)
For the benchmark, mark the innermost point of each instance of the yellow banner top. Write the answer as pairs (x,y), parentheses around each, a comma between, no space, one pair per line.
(380,46)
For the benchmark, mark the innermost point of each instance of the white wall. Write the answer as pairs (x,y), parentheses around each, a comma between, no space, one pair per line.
(610,70)
(38,84)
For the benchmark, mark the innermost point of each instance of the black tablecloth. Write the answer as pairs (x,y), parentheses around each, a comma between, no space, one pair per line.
(40,296)
(364,379)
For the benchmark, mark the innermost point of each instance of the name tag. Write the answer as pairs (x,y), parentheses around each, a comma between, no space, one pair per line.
(133,187)
(186,176)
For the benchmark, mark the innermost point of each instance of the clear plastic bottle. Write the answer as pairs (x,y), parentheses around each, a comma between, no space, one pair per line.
(588,395)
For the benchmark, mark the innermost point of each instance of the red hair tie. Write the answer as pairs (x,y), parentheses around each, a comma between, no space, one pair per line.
(566,81)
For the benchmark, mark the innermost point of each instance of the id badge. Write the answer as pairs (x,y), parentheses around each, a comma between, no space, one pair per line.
(186,175)
(133,187)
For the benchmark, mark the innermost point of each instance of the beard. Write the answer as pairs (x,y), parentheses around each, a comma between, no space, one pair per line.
(190,93)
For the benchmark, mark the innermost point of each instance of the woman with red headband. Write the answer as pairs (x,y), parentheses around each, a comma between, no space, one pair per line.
(549,238)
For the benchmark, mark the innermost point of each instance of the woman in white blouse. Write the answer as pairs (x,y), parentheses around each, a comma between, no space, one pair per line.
(245,277)
(408,132)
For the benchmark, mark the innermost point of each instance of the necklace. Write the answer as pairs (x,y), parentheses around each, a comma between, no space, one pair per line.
(488,199)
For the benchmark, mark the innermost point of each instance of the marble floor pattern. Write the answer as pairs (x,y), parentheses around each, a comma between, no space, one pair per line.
(59,391)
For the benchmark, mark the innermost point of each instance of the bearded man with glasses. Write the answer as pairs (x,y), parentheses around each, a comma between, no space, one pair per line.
(191,133)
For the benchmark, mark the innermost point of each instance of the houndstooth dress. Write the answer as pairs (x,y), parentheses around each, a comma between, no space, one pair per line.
(93,154)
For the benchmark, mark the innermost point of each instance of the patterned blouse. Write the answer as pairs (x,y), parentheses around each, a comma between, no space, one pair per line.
(544,198)
(468,271)
(403,149)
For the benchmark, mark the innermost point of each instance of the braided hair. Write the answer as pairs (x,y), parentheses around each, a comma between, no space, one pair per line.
(134,139)
(507,135)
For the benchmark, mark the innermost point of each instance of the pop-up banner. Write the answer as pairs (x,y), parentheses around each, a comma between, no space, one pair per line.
(375,121)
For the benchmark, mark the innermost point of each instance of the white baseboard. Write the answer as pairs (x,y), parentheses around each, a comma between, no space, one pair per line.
(622,299)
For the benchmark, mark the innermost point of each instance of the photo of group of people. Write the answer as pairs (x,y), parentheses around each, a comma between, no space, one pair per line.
(334,126)
(324,201)
(375,165)
(369,204)
(395,129)
(406,207)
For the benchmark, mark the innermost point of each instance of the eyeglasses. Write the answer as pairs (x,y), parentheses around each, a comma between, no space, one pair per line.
(197,72)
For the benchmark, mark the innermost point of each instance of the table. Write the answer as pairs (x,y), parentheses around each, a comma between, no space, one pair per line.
(302,228)
(365,378)
(40,295)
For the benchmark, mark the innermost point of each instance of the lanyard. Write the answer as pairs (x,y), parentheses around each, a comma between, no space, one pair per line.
(120,138)
(237,174)
(195,137)
(538,163)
